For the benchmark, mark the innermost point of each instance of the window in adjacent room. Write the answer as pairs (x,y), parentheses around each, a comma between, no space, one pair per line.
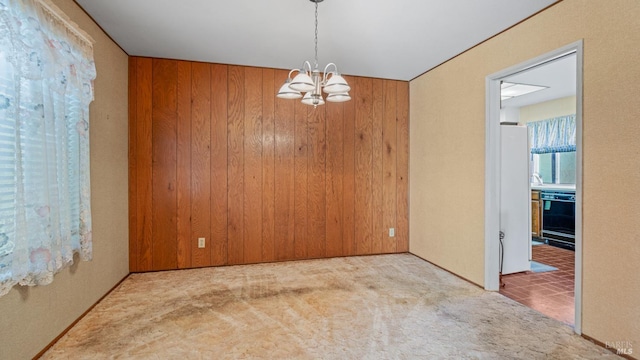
(555,168)
(553,149)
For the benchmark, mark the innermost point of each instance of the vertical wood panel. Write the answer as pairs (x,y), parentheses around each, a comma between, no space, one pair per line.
(300,168)
(348,229)
(253,165)
(219,164)
(200,163)
(268,166)
(284,186)
(379,233)
(144,233)
(403,166)
(132,157)
(164,116)
(316,213)
(389,193)
(363,159)
(183,179)
(334,179)
(214,154)
(235,164)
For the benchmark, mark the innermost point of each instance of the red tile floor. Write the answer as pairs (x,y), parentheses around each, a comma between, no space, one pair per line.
(550,293)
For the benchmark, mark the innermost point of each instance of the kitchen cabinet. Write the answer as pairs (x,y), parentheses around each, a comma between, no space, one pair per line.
(536,213)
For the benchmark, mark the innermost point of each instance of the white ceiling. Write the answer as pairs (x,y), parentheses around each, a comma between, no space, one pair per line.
(559,76)
(397,39)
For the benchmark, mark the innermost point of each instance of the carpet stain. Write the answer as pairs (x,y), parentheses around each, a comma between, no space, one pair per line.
(372,307)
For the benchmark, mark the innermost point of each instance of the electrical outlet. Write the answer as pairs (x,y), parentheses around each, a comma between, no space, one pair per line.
(201,243)
(392,232)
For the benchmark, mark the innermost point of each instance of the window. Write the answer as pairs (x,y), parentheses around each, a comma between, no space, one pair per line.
(555,168)
(553,149)
(46,74)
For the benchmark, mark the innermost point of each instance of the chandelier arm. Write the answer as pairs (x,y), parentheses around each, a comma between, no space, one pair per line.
(325,74)
(306,66)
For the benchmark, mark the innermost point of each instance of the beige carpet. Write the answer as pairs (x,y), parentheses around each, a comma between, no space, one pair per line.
(373,307)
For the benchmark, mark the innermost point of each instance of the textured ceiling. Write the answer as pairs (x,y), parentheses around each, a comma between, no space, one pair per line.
(398,39)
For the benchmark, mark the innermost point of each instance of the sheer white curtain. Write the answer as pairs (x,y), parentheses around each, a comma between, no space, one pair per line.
(46,74)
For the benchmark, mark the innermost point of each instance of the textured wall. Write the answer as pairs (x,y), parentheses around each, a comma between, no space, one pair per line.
(447,134)
(33,317)
(548,109)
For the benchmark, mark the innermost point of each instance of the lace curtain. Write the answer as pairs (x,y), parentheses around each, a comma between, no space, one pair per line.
(46,74)
(553,135)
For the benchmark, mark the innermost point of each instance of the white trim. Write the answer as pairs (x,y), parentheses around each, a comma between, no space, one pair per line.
(492,171)
(577,327)
(492,186)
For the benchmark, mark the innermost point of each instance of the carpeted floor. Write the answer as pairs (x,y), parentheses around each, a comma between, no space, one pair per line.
(372,307)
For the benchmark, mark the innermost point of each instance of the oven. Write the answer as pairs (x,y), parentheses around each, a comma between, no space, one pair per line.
(559,217)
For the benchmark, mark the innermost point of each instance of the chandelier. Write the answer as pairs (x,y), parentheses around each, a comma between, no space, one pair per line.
(312,82)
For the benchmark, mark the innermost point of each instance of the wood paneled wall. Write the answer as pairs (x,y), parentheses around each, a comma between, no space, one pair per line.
(214,154)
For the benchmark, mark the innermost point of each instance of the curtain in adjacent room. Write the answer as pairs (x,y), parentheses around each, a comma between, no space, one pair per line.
(553,135)
(46,75)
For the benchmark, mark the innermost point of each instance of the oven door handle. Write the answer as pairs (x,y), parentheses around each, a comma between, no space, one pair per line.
(560,200)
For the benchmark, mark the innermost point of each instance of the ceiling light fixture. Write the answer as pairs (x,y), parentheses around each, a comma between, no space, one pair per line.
(510,90)
(311,82)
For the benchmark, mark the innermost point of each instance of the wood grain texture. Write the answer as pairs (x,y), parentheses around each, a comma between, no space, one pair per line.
(183,164)
(219,183)
(348,182)
(132,160)
(268,166)
(316,192)
(389,160)
(334,179)
(144,233)
(364,167)
(402,175)
(380,234)
(235,165)
(253,165)
(164,142)
(214,154)
(200,163)
(284,172)
(300,182)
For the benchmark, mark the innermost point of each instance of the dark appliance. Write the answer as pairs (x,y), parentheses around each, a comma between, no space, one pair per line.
(559,218)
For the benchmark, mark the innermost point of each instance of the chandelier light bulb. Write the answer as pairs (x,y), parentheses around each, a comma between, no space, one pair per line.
(302,82)
(338,97)
(286,92)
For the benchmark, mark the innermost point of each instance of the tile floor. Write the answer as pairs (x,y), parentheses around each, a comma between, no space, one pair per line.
(550,293)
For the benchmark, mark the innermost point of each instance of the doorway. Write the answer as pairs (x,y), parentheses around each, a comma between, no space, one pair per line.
(493,182)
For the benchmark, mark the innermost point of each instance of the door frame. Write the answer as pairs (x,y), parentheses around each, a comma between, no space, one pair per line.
(492,170)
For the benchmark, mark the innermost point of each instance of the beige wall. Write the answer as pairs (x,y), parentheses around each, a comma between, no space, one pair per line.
(31,317)
(548,109)
(447,137)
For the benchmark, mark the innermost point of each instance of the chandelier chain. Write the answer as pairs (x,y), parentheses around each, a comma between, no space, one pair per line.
(316,36)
